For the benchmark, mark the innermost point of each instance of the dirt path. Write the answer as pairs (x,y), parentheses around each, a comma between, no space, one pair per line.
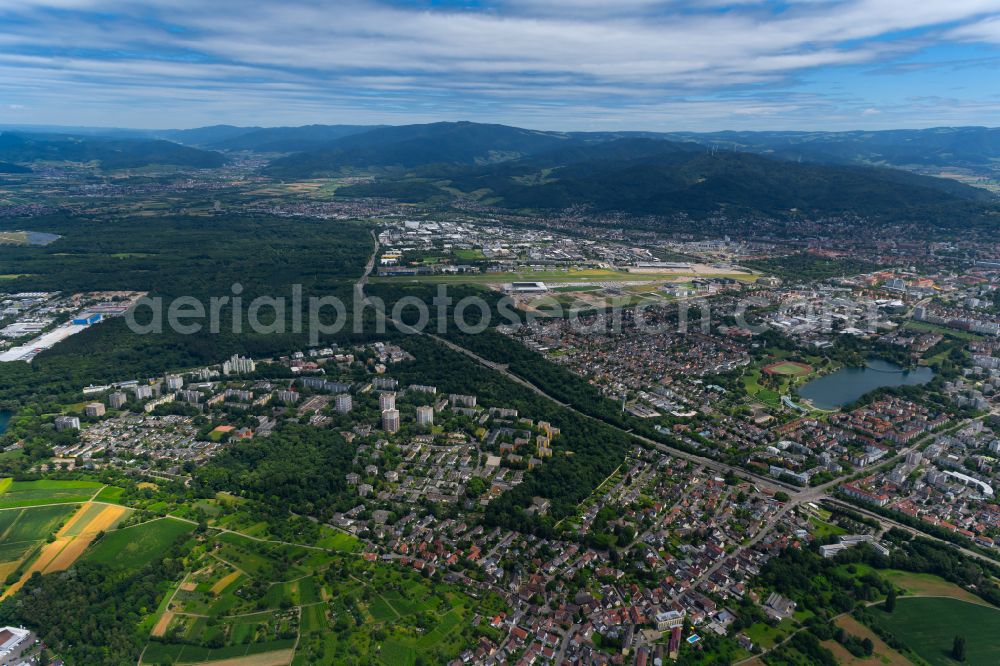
(276,658)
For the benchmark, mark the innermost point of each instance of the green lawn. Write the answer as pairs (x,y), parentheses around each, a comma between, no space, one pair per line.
(766,636)
(929,625)
(824,529)
(339,541)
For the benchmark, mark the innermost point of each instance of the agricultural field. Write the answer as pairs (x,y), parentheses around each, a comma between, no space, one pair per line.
(111,494)
(134,547)
(883,654)
(71,540)
(927,585)
(24,531)
(928,625)
(46,491)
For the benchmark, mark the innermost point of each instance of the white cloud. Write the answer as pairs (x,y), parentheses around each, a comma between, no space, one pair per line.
(518,56)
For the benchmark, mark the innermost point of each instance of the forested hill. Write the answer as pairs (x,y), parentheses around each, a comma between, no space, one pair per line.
(461,143)
(700,183)
(969,147)
(650,176)
(110,153)
(285,139)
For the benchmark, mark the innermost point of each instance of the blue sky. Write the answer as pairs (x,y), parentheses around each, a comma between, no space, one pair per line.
(572,64)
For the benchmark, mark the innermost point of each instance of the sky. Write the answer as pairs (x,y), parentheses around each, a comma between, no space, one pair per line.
(661,65)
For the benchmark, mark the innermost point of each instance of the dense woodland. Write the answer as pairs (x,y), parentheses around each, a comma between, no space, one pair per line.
(171,257)
(806,267)
(91,611)
(299,467)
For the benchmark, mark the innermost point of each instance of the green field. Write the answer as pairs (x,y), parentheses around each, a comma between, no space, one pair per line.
(824,529)
(46,491)
(134,547)
(112,494)
(928,625)
(468,255)
(23,529)
(943,330)
(339,541)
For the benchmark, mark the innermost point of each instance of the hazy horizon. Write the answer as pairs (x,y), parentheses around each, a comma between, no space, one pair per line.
(114,128)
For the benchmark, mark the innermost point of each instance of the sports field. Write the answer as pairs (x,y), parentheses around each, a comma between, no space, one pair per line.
(928,625)
(787,368)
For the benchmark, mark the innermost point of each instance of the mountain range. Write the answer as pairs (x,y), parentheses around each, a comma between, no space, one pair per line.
(111,153)
(638,173)
(879,174)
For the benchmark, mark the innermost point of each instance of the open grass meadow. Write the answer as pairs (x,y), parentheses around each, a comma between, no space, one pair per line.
(46,491)
(111,494)
(928,625)
(883,655)
(134,547)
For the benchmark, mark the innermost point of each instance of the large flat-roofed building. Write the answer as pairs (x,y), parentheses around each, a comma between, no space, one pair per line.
(526,287)
(10,638)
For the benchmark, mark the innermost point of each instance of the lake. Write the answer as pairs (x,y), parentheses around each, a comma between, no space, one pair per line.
(848,384)
(4,419)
